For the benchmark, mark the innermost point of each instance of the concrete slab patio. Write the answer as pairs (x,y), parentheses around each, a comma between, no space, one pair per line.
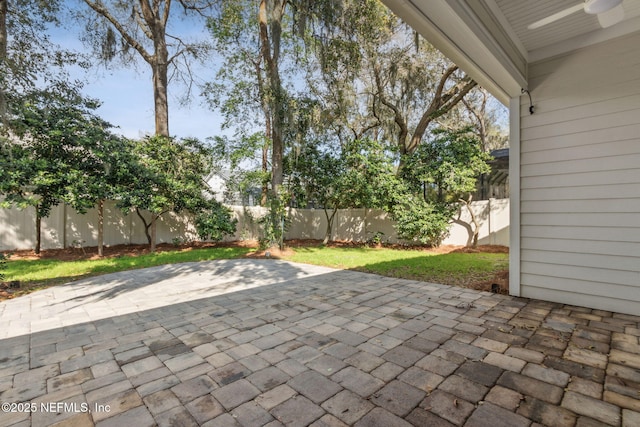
(264,342)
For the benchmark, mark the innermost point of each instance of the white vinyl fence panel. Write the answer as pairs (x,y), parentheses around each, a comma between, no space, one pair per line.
(67,228)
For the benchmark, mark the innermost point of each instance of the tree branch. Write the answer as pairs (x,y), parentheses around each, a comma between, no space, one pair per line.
(141,23)
(398,118)
(100,9)
(165,15)
(441,104)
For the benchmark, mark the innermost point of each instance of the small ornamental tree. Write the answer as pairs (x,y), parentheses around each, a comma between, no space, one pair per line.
(51,154)
(438,175)
(168,176)
(108,160)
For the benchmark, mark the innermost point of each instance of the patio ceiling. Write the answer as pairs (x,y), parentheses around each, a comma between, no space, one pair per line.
(490,40)
(567,33)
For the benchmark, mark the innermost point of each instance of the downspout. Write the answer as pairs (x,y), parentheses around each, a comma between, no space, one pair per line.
(514,197)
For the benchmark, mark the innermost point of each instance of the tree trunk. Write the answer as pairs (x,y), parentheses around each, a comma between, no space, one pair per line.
(277,153)
(474,220)
(157,23)
(161,103)
(269,18)
(38,230)
(398,117)
(480,116)
(100,227)
(154,221)
(327,234)
(265,169)
(3,57)
(267,130)
(146,226)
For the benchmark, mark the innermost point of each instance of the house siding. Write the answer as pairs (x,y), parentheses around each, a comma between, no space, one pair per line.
(580,178)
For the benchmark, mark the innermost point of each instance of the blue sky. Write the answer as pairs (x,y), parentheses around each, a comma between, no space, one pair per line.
(126,92)
(127,102)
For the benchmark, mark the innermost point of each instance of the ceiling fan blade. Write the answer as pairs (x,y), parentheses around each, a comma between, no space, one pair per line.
(556,16)
(611,17)
(593,7)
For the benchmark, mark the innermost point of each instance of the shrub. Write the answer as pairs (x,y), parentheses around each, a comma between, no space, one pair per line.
(215,222)
(275,222)
(418,220)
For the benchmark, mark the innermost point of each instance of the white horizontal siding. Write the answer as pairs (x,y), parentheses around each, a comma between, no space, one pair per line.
(617,98)
(618,55)
(618,133)
(606,163)
(610,177)
(602,233)
(581,278)
(580,178)
(611,262)
(579,246)
(608,150)
(582,219)
(611,302)
(617,205)
(580,193)
(582,126)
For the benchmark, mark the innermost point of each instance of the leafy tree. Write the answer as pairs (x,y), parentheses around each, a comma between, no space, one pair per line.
(28,60)
(337,70)
(378,78)
(169,177)
(50,155)
(438,176)
(126,29)
(240,90)
(263,41)
(361,174)
(445,168)
(105,170)
(484,117)
(406,80)
(420,220)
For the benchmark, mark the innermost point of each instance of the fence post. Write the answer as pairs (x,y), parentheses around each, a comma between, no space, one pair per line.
(64,226)
(491,236)
(364,239)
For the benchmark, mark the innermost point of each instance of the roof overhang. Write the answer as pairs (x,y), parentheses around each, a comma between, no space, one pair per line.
(489,56)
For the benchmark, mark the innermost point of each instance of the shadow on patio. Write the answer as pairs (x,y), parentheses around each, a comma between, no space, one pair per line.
(319,347)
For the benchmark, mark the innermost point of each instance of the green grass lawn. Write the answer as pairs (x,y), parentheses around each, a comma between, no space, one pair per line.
(46,272)
(459,269)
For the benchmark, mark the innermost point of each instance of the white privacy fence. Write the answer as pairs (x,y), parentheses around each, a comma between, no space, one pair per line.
(67,228)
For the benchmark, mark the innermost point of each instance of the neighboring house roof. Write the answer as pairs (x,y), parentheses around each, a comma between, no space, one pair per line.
(499,167)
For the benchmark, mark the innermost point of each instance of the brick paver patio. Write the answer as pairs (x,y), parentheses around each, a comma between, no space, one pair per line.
(264,342)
